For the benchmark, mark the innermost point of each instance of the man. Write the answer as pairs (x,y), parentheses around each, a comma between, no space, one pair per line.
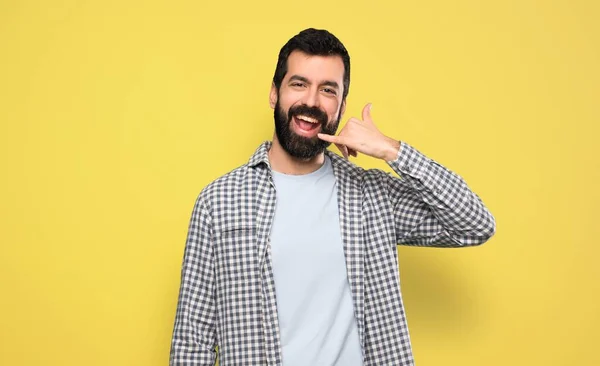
(291,258)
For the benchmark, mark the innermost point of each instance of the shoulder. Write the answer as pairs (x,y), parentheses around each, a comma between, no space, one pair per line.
(229,184)
(346,169)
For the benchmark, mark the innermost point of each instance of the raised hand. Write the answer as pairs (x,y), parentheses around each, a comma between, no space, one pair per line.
(363,137)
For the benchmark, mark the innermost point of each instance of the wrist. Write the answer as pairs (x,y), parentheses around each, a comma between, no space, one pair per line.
(392,147)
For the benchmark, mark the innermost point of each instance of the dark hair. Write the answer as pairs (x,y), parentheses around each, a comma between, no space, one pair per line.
(315,42)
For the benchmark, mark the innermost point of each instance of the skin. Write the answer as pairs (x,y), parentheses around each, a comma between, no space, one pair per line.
(318,81)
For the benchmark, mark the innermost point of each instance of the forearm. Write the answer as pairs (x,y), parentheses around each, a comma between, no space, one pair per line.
(184,349)
(194,333)
(452,205)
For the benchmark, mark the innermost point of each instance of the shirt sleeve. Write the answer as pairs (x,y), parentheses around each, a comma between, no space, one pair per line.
(433,206)
(194,335)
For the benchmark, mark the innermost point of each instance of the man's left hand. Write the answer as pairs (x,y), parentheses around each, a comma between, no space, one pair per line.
(363,137)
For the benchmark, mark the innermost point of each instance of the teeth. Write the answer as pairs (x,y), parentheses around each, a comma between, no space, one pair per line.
(307,119)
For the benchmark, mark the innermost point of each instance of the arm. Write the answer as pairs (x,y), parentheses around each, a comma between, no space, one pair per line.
(434,206)
(194,335)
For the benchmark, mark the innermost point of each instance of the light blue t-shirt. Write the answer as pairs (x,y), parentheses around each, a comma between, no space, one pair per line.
(314,302)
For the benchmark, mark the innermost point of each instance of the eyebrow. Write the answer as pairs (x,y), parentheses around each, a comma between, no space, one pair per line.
(330,83)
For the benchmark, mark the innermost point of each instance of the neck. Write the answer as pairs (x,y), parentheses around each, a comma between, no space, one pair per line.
(281,161)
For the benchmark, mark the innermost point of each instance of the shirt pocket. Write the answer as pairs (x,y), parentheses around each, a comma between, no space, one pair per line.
(236,254)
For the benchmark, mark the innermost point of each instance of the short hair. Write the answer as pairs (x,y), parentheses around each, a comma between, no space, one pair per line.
(314,42)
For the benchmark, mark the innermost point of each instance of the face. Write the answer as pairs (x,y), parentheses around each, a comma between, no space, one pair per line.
(308,102)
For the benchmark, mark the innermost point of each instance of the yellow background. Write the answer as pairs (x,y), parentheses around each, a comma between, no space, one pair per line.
(115,114)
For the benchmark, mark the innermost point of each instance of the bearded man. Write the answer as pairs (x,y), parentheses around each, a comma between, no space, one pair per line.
(291,258)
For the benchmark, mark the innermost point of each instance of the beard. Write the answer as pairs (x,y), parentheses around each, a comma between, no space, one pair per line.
(302,147)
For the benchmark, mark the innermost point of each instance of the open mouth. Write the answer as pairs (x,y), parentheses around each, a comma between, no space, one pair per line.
(306,124)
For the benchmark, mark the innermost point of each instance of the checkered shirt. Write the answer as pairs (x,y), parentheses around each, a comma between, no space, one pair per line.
(227,294)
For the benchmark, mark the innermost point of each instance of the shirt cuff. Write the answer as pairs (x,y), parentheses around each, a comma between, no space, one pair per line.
(409,161)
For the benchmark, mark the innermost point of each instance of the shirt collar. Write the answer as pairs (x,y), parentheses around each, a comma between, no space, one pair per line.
(261,155)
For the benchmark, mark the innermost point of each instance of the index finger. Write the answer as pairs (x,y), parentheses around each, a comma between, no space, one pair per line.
(331,138)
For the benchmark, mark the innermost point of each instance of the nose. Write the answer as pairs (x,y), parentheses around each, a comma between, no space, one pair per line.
(311,98)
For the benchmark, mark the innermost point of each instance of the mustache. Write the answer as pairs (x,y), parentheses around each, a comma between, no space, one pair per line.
(305,110)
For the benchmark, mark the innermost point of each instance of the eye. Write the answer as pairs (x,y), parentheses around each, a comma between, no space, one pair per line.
(329,91)
(297,84)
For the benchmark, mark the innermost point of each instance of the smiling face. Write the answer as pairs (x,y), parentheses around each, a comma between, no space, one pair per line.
(309,101)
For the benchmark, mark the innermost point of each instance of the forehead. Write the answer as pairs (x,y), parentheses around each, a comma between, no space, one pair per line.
(315,68)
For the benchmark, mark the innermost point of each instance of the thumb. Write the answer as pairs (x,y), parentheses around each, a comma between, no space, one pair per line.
(366,112)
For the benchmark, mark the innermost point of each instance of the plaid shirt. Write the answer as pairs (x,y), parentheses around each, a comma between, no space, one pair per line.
(227,294)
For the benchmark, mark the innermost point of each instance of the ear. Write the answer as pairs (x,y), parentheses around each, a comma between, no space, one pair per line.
(273,96)
(343,108)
